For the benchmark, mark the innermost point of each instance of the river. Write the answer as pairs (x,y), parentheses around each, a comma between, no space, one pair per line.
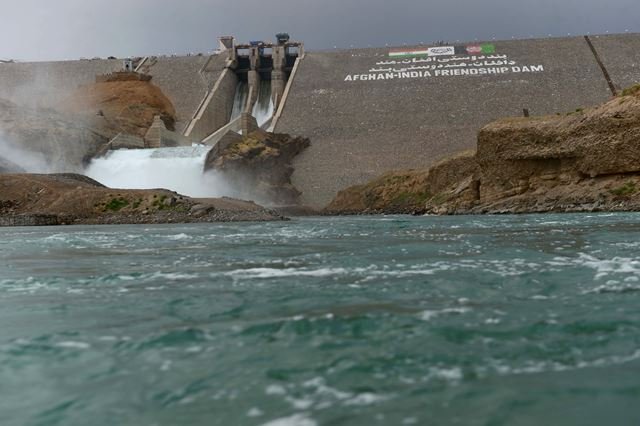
(500,320)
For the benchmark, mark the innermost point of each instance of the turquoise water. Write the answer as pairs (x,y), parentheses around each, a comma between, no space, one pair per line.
(509,320)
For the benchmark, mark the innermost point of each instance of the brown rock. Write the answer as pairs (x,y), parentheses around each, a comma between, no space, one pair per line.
(68,198)
(127,107)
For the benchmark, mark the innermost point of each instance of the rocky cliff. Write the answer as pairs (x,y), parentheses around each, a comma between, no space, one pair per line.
(124,105)
(586,160)
(258,166)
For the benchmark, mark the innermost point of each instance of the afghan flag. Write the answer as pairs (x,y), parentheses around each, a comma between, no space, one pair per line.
(476,49)
(404,53)
(488,48)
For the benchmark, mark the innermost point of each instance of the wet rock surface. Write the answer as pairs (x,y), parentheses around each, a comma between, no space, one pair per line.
(258,166)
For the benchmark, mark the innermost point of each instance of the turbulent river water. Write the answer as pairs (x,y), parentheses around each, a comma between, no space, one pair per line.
(510,320)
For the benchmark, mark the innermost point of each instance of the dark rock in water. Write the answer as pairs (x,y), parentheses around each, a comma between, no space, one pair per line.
(65,142)
(7,166)
(258,166)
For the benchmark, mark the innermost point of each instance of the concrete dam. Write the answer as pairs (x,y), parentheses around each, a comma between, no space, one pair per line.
(366,111)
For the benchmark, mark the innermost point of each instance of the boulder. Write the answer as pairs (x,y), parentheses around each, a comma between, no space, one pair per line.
(258,166)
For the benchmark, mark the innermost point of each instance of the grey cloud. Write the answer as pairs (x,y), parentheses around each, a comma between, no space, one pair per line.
(45,29)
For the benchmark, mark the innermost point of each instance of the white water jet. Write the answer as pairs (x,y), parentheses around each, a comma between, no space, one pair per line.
(263,108)
(31,162)
(240,100)
(177,169)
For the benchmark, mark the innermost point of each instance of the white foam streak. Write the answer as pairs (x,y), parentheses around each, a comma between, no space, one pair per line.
(295,420)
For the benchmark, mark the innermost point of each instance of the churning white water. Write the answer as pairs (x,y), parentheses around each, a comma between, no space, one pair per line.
(177,169)
(263,108)
(240,99)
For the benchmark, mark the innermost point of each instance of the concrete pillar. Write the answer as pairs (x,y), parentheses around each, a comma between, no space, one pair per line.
(253,78)
(154,135)
(278,76)
(254,58)
(248,123)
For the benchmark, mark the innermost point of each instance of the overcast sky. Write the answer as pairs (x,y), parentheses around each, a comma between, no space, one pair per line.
(68,29)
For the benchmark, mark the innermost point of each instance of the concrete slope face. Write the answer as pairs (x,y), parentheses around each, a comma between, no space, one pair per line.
(185,80)
(372,110)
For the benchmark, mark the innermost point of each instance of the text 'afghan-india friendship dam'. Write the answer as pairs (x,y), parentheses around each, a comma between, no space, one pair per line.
(366,111)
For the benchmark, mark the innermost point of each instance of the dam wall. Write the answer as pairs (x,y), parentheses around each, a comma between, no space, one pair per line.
(620,55)
(186,81)
(215,111)
(368,111)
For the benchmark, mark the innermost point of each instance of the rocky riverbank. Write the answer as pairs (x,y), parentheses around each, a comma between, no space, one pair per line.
(586,160)
(66,199)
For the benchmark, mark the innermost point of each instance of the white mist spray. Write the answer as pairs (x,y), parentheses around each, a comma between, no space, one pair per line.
(263,108)
(176,169)
(32,162)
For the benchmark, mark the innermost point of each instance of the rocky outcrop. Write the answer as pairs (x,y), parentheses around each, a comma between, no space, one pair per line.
(123,106)
(587,160)
(81,126)
(58,141)
(403,192)
(258,166)
(31,199)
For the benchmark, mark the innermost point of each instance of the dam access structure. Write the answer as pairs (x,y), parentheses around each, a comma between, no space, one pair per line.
(366,111)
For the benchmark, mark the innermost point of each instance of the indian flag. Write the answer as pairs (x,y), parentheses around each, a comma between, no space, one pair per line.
(408,53)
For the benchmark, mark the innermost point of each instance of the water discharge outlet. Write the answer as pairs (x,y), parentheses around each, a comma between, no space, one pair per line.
(149,169)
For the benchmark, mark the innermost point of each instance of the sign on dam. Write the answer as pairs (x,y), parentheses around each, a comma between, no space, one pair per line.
(368,111)
(471,60)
